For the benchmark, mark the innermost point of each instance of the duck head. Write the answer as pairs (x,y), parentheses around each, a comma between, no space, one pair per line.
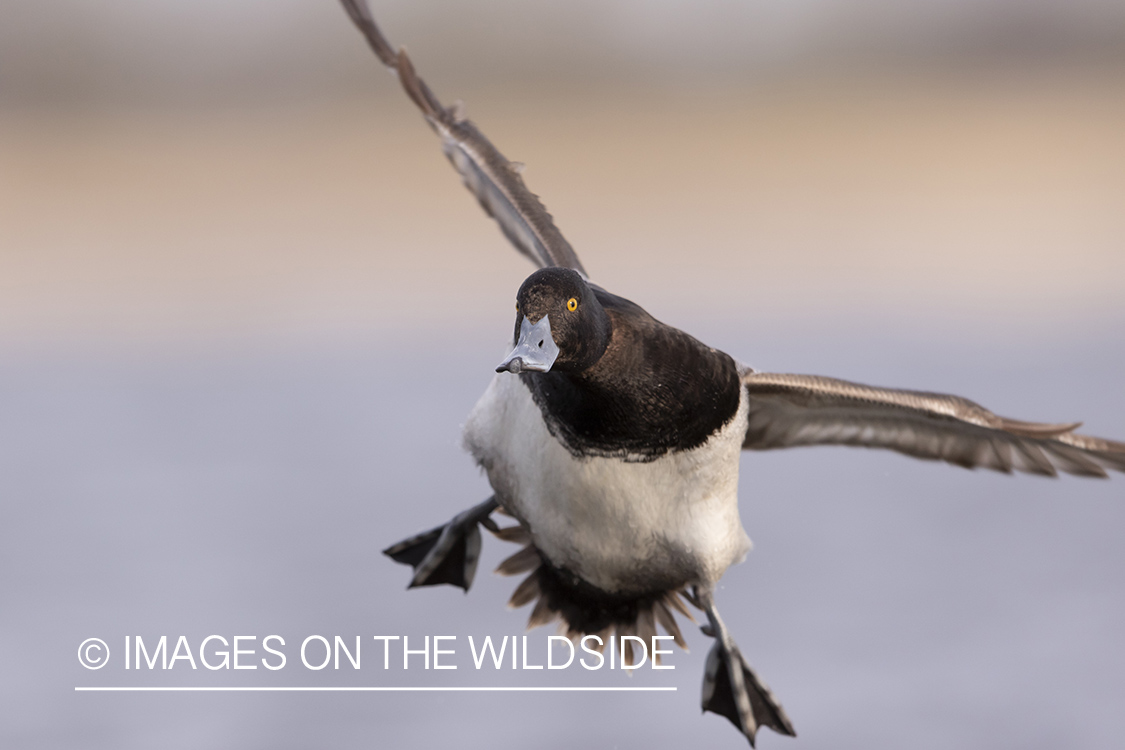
(560,324)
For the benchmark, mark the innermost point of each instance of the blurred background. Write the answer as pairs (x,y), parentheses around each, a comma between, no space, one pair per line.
(229,248)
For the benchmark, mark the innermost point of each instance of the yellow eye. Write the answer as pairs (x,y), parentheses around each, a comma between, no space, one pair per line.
(572,304)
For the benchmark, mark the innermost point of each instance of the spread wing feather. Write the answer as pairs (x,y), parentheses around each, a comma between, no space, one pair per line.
(493,179)
(793,410)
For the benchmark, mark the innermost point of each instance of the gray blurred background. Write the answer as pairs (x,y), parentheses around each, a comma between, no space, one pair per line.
(229,249)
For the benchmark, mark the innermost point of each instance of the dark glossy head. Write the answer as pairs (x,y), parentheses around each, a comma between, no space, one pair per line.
(578,325)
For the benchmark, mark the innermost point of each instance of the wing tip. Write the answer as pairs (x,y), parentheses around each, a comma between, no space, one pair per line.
(1036,429)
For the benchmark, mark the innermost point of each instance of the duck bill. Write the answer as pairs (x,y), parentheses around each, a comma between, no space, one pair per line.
(535,351)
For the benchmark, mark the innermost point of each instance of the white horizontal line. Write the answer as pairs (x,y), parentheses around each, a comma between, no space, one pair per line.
(297,689)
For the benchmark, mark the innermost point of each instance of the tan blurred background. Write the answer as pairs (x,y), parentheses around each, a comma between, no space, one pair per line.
(245,305)
(212,169)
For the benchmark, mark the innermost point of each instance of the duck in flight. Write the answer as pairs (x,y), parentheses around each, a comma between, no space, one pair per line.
(614,441)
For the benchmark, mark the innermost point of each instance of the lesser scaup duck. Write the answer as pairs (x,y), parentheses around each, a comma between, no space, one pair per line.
(614,440)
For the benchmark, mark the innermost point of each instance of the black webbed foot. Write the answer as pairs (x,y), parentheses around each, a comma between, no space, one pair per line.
(447,554)
(731,688)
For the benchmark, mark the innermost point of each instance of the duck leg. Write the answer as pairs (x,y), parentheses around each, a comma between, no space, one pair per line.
(730,687)
(449,553)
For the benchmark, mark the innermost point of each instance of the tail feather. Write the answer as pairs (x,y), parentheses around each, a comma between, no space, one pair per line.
(521,562)
(527,591)
(668,622)
(582,609)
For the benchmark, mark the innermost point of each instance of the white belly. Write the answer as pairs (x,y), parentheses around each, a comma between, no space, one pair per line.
(622,526)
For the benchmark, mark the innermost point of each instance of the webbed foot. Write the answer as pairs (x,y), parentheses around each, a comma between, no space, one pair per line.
(731,688)
(449,553)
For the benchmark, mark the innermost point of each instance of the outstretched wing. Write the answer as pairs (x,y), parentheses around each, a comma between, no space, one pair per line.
(493,179)
(792,410)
